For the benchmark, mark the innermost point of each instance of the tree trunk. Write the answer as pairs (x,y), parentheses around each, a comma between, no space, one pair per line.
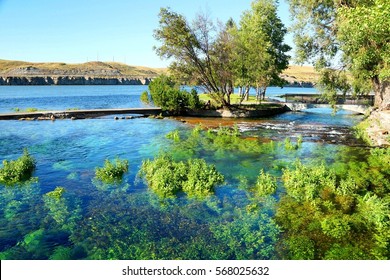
(382,94)
(247,93)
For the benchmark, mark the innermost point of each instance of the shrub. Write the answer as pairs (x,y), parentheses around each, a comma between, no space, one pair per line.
(17,171)
(167,177)
(145,97)
(265,184)
(112,171)
(166,94)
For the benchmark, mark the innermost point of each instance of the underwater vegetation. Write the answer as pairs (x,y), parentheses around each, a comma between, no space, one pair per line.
(112,171)
(328,213)
(207,194)
(167,177)
(17,171)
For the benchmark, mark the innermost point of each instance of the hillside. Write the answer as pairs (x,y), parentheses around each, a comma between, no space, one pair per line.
(95,69)
(295,75)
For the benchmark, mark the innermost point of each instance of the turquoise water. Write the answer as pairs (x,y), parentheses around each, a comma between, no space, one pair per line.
(128,221)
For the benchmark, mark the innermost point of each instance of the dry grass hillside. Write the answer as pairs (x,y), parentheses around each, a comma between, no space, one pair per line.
(98,69)
(95,68)
(300,73)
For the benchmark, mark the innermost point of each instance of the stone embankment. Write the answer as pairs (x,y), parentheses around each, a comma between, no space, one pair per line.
(379,128)
(70,80)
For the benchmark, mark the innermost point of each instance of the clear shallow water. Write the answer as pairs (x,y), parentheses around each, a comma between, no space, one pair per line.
(127,221)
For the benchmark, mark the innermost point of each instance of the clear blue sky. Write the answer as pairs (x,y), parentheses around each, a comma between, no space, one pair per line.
(76,31)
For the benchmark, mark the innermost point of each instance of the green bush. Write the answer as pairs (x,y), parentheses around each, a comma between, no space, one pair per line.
(145,97)
(17,171)
(167,177)
(112,171)
(265,184)
(166,94)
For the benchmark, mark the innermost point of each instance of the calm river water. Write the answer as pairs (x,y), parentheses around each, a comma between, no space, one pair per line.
(127,221)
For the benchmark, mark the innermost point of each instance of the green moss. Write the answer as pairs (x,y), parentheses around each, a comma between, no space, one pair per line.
(17,171)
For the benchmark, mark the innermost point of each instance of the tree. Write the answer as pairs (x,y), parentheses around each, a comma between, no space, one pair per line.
(260,51)
(193,49)
(218,59)
(355,33)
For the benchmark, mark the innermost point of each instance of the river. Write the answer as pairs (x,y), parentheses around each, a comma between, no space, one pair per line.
(128,221)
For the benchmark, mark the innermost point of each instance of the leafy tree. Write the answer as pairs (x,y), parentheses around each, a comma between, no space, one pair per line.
(252,55)
(191,48)
(259,48)
(355,32)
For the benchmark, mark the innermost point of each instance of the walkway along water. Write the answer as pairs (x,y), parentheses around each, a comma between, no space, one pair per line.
(80,113)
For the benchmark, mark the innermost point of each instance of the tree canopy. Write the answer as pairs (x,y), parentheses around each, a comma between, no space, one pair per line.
(353,33)
(251,54)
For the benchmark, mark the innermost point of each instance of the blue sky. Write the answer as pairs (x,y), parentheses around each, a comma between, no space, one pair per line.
(76,31)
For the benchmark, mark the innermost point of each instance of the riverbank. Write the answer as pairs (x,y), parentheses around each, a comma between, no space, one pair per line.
(377,128)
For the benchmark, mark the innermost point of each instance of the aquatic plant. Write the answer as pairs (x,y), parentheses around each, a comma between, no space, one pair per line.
(252,235)
(289,146)
(17,171)
(167,177)
(112,171)
(201,178)
(265,184)
(340,214)
(57,193)
(173,135)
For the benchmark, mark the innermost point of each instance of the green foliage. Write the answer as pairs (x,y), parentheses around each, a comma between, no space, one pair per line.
(249,237)
(166,94)
(259,51)
(341,212)
(250,55)
(173,135)
(201,178)
(145,97)
(57,193)
(305,183)
(335,227)
(299,247)
(358,30)
(17,171)
(167,177)
(112,171)
(265,184)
